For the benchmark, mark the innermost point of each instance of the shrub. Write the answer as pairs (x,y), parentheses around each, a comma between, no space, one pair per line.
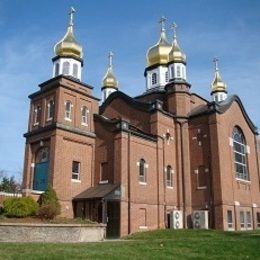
(49,204)
(20,207)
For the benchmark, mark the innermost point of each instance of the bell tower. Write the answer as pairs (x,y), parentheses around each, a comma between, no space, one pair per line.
(60,141)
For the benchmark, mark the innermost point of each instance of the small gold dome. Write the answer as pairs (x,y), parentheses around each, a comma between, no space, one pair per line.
(218,84)
(159,53)
(176,54)
(109,79)
(68,46)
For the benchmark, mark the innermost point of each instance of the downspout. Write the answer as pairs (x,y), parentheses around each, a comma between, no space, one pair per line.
(129,184)
(183,173)
(158,184)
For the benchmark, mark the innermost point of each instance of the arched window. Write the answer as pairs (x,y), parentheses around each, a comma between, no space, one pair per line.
(68,110)
(75,70)
(240,158)
(178,71)
(66,68)
(172,72)
(84,115)
(50,110)
(57,69)
(154,78)
(169,172)
(142,171)
(37,115)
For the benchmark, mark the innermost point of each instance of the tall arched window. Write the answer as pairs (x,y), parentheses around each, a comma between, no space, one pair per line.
(142,171)
(50,110)
(66,68)
(68,110)
(75,70)
(240,157)
(84,115)
(154,78)
(57,69)
(169,172)
(37,115)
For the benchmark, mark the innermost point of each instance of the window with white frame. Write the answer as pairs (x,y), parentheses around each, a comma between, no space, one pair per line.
(50,110)
(242,220)
(142,171)
(154,78)
(248,220)
(68,110)
(240,158)
(230,219)
(37,115)
(84,115)
(75,170)
(75,70)
(66,68)
(169,174)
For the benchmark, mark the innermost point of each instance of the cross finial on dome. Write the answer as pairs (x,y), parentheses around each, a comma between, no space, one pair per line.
(162,22)
(71,14)
(174,27)
(215,60)
(110,58)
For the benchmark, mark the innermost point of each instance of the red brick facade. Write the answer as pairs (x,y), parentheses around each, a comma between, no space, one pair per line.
(169,129)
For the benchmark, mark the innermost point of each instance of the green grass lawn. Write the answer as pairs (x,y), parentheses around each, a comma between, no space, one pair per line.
(160,244)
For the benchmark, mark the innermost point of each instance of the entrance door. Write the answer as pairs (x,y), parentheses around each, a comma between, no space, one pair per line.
(40,180)
(113,219)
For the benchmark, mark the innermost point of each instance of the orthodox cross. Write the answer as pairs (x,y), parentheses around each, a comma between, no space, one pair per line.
(162,22)
(215,60)
(71,13)
(110,58)
(174,27)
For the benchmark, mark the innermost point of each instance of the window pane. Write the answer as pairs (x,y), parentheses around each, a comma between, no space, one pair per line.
(142,177)
(66,68)
(75,70)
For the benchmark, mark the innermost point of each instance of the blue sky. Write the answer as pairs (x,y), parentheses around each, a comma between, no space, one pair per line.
(206,28)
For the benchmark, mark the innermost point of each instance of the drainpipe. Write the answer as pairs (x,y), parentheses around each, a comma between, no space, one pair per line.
(183,173)
(129,184)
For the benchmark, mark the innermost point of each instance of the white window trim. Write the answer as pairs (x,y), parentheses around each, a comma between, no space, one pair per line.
(103,182)
(76,181)
(142,183)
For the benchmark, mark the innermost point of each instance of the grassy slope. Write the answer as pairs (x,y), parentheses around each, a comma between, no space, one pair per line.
(161,244)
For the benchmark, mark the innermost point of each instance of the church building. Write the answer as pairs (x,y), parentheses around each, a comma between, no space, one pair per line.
(167,158)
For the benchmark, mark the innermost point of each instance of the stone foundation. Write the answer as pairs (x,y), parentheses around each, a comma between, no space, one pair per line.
(61,233)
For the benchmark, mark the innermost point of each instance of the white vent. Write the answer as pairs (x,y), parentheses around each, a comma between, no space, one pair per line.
(176,221)
(200,219)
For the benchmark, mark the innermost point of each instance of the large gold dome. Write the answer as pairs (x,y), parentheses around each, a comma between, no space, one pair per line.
(159,53)
(68,46)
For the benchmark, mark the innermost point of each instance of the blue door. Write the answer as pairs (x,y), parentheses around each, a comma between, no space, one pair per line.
(40,180)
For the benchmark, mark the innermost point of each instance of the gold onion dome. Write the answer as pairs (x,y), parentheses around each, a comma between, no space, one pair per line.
(218,84)
(176,54)
(68,46)
(159,53)
(109,79)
